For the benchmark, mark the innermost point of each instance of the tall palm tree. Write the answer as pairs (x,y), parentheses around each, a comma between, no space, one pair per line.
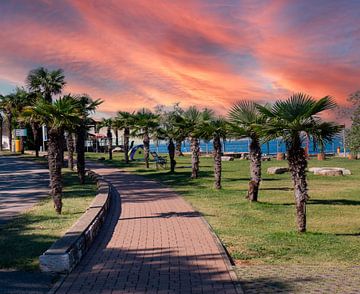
(145,123)
(58,116)
(45,82)
(85,107)
(108,123)
(244,118)
(216,129)
(291,119)
(124,121)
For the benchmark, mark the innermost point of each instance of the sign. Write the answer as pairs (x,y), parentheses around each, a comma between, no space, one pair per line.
(88,143)
(20,132)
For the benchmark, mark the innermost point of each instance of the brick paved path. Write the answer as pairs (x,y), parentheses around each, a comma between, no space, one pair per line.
(153,242)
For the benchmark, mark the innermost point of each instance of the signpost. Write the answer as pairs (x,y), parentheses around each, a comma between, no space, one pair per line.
(20,132)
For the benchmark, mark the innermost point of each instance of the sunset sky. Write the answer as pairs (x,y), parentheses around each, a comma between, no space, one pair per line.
(140,53)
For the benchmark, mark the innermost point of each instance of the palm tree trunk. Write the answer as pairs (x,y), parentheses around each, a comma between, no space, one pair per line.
(217,161)
(195,157)
(126,144)
(35,131)
(171,150)
(255,169)
(178,148)
(22,141)
(55,164)
(9,121)
(146,141)
(109,136)
(70,148)
(116,136)
(80,153)
(297,165)
(1,132)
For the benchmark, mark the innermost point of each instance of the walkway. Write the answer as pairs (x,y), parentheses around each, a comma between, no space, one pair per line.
(22,184)
(154,242)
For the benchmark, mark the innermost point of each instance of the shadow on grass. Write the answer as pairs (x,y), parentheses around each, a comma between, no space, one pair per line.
(333,202)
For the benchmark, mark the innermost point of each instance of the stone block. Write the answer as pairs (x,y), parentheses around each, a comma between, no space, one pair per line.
(277,170)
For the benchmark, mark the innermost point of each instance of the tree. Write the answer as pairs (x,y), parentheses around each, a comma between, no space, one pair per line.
(290,119)
(8,106)
(124,121)
(58,116)
(188,123)
(244,117)
(108,123)
(45,82)
(216,129)
(85,107)
(145,123)
(1,128)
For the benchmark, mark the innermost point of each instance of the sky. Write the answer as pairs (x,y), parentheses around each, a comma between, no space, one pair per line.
(208,53)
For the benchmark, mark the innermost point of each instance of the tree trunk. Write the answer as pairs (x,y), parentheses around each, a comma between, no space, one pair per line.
(35,131)
(9,121)
(146,141)
(70,148)
(80,153)
(178,148)
(109,136)
(171,150)
(255,169)
(116,136)
(195,157)
(1,132)
(22,141)
(126,144)
(55,163)
(297,165)
(217,161)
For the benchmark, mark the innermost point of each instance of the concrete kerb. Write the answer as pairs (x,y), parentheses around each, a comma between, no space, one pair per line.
(67,251)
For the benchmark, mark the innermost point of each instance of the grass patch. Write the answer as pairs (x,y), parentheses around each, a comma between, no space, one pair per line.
(23,239)
(265,232)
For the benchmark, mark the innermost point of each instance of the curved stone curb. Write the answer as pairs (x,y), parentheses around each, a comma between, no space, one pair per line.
(67,251)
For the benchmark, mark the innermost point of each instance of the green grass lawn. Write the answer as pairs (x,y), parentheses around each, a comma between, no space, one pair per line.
(265,232)
(23,239)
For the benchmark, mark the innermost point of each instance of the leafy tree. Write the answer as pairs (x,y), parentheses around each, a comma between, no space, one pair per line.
(145,123)
(45,82)
(290,119)
(244,118)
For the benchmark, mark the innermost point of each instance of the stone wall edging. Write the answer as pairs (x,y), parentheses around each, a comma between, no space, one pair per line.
(65,253)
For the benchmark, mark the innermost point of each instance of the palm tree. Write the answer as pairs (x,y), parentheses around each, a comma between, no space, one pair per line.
(291,119)
(188,123)
(58,116)
(45,82)
(108,123)
(216,129)
(244,118)
(124,121)
(145,123)
(86,106)
(8,106)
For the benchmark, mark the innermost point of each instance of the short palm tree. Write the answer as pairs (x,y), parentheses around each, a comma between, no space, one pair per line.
(124,121)
(108,123)
(58,116)
(85,107)
(45,82)
(291,119)
(8,106)
(244,118)
(145,123)
(216,129)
